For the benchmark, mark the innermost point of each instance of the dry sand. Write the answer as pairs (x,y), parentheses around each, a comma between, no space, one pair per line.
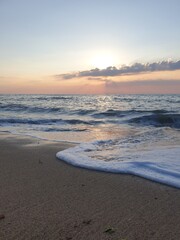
(44,198)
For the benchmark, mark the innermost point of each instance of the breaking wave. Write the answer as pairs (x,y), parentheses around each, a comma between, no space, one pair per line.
(158,120)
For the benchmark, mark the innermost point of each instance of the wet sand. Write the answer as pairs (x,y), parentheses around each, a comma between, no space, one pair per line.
(44,198)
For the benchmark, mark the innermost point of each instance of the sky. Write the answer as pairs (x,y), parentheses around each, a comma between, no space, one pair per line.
(89,46)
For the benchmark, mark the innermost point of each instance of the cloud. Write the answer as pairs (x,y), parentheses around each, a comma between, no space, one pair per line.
(66,76)
(124,70)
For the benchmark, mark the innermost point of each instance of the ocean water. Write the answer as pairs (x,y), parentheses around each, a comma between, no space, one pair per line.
(134,134)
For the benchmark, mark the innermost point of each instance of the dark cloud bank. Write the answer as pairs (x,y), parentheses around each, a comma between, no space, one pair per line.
(124,70)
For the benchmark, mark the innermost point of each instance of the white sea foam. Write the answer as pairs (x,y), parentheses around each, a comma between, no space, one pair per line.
(145,154)
(161,165)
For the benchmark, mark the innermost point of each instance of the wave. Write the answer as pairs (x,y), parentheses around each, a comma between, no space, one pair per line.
(110,113)
(46,121)
(61,97)
(25,108)
(65,130)
(84,111)
(158,120)
(153,165)
(126,99)
(33,108)
(122,113)
(51,97)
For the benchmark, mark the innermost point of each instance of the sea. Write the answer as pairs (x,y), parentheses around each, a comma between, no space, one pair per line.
(129,134)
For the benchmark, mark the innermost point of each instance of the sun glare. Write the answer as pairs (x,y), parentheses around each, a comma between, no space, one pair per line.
(102,61)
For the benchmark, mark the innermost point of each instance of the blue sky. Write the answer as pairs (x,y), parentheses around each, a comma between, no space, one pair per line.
(47,37)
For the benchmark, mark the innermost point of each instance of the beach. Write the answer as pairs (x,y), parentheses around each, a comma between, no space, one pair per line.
(89,120)
(42,197)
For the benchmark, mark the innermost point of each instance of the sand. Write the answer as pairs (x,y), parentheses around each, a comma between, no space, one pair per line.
(44,198)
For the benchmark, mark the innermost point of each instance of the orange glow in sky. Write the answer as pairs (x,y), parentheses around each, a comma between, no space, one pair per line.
(89,47)
(156,82)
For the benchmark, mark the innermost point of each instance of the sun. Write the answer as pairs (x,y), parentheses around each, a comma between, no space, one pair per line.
(103,61)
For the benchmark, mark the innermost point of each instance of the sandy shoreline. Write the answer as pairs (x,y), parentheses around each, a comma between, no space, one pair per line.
(44,198)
